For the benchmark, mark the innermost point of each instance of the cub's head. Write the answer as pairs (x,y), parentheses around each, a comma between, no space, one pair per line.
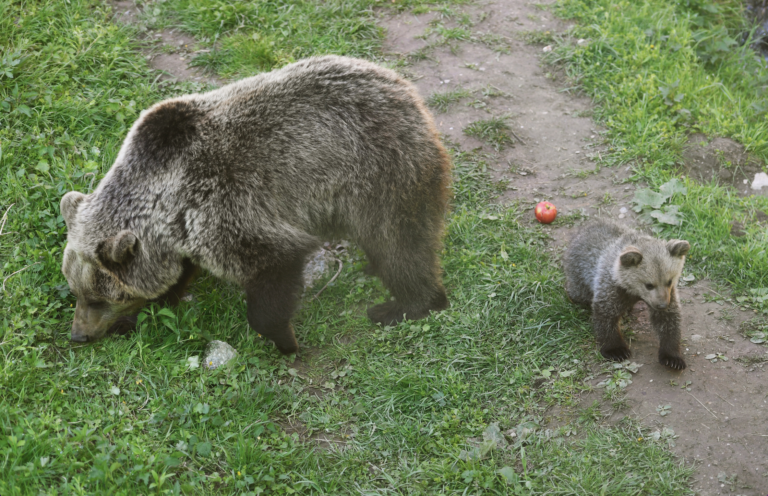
(94,270)
(651,271)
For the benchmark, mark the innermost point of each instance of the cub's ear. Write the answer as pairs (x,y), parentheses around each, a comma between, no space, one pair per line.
(678,247)
(630,257)
(118,250)
(68,206)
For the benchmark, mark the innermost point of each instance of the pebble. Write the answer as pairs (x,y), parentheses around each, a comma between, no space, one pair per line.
(697,337)
(548,48)
(623,210)
(317,266)
(217,353)
(761,179)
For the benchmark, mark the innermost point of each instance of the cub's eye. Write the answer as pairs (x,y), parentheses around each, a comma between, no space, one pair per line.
(649,286)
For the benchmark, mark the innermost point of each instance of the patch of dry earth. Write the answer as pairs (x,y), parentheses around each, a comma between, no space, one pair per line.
(169,50)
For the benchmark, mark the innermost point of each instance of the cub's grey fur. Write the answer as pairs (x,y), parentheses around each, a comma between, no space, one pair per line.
(247,180)
(610,268)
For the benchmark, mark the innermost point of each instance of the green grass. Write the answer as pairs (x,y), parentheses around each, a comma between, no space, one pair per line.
(539,37)
(250,37)
(657,72)
(494,131)
(133,415)
(443,100)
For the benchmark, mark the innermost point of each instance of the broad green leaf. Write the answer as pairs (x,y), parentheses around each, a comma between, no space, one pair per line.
(647,198)
(509,474)
(670,216)
(203,449)
(673,187)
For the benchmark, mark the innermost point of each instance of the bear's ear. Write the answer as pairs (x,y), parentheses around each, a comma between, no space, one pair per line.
(630,257)
(118,250)
(678,247)
(69,204)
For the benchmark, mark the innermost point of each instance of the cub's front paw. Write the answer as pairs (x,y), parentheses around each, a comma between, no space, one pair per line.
(672,361)
(616,353)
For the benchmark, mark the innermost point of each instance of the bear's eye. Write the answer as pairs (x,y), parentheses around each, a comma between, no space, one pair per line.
(649,286)
(97,305)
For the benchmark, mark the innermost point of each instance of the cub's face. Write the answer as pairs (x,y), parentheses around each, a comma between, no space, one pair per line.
(103,302)
(652,273)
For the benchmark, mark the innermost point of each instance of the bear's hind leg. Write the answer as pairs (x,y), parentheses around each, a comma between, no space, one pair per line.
(272,297)
(412,274)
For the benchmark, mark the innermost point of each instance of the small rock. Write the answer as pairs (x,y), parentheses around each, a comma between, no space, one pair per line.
(217,353)
(581,42)
(317,266)
(696,338)
(623,210)
(547,48)
(621,216)
(761,179)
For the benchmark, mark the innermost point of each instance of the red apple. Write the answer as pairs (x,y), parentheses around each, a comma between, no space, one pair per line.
(545,212)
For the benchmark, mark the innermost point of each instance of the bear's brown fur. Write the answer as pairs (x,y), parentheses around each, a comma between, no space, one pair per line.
(247,180)
(609,268)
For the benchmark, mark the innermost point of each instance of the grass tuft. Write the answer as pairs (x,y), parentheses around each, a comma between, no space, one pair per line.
(442,101)
(495,131)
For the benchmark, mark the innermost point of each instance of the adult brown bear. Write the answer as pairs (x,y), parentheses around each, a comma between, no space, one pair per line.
(247,180)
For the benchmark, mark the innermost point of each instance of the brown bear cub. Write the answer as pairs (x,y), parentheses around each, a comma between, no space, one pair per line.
(610,268)
(247,180)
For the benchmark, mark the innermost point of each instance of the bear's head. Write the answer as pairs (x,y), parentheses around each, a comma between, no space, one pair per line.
(651,269)
(96,267)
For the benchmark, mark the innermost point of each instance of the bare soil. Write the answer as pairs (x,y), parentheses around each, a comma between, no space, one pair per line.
(720,422)
(722,160)
(169,50)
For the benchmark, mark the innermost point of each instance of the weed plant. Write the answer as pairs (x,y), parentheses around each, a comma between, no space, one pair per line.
(494,131)
(440,102)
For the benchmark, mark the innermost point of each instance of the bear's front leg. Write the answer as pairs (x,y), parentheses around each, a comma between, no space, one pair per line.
(271,297)
(666,323)
(606,315)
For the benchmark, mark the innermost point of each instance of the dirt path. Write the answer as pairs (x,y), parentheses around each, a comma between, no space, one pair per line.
(720,421)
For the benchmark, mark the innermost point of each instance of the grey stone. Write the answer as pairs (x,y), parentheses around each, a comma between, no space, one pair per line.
(217,353)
